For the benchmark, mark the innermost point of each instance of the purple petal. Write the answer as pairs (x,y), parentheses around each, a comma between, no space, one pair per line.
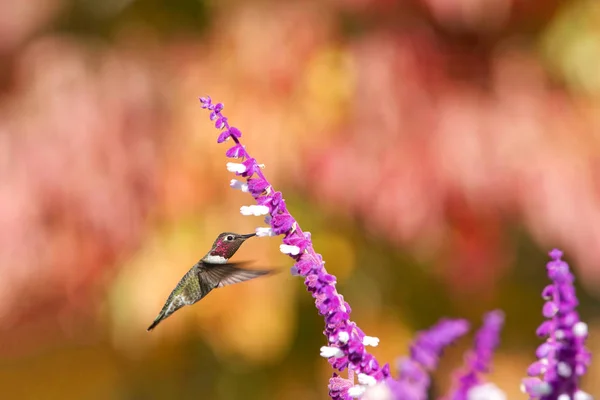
(251,167)
(235,132)
(257,185)
(205,101)
(221,123)
(223,136)
(550,309)
(236,151)
(544,329)
(556,254)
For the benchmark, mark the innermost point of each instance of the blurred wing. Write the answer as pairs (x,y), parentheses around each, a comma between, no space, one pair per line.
(219,275)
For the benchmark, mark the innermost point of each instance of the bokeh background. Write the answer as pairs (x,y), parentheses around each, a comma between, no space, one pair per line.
(436,149)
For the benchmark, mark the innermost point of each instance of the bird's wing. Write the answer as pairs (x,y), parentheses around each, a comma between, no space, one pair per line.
(221,275)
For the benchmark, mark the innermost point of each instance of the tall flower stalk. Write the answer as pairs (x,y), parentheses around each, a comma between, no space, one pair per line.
(346,341)
(413,381)
(469,383)
(563,358)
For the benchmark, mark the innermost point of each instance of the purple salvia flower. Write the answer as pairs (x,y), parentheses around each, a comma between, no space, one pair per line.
(227,133)
(479,360)
(563,358)
(345,348)
(236,151)
(413,381)
(257,186)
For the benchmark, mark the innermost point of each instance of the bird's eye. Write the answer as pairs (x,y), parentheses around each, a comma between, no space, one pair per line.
(229,237)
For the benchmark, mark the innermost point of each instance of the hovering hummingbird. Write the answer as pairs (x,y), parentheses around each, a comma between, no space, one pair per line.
(212,271)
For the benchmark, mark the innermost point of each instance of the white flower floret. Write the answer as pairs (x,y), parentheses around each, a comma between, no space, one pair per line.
(539,389)
(367,380)
(264,231)
(356,391)
(581,395)
(343,337)
(580,329)
(239,185)
(486,391)
(236,167)
(287,249)
(330,351)
(370,341)
(254,210)
(563,369)
(378,392)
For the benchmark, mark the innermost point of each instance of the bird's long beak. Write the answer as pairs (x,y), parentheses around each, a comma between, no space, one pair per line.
(247,236)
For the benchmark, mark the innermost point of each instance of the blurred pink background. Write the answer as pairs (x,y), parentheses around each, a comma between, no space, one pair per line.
(436,149)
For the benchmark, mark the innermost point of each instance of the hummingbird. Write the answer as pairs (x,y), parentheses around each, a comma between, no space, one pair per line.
(210,272)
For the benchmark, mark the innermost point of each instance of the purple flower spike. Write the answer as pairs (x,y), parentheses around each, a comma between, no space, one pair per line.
(563,358)
(346,342)
(429,344)
(413,381)
(479,360)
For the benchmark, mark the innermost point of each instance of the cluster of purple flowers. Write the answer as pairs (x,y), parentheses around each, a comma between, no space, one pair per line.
(563,358)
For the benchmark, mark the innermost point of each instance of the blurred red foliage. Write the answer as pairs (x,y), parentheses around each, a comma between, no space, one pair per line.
(79,133)
(441,146)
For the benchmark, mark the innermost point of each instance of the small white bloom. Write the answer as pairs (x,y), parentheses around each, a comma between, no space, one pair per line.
(356,391)
(367,380)
(564,369)
(330,351)
(239,185)
(287,249)
(581,395)
(378,392)
(236,167)
(343,337)
(487,391)
(564,396)
(370,341)
(540,389)
(580,329)
(264,231)
(254,210)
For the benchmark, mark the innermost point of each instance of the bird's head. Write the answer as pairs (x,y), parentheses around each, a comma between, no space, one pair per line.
(225,246)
